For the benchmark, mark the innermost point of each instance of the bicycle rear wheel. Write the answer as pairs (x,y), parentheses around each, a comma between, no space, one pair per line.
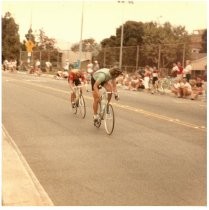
(82,106)
(109,119)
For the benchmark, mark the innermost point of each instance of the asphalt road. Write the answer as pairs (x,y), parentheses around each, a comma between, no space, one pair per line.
(156,155)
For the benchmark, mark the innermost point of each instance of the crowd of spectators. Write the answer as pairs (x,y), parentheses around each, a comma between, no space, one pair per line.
(148,79)
(10,65)
(183,85)
(141,79)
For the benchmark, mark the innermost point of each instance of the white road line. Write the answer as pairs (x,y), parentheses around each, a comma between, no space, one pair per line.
(129,108)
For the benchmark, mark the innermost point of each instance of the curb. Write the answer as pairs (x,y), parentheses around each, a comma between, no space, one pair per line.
(20,187)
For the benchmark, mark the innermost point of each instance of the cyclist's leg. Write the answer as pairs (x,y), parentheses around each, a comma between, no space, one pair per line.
(73,96)
(95,98)
(108,87)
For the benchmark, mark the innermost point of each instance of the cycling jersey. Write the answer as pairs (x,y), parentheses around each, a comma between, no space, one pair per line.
(75,76)
(102,75)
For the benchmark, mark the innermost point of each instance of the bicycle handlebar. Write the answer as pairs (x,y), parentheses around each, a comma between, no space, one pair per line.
(79,86)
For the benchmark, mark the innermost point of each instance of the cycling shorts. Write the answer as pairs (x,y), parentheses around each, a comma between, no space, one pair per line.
(76,82)
(93,82)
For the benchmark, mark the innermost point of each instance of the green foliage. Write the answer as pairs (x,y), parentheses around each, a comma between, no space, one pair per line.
(44,42)
(88,45)
(10,38)
(152,39)
(45,47)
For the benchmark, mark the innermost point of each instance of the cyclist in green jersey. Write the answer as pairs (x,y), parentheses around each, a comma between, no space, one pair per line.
(106,78)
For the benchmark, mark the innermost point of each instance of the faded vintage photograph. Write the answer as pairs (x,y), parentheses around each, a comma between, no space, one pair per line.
(104,103)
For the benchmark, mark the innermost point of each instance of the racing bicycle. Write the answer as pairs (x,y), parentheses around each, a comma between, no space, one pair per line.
(80,106)
(106,113)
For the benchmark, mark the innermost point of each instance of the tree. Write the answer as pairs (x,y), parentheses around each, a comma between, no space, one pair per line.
(204,42)
(44,42)
(152,39)
(88,45)
(10,38)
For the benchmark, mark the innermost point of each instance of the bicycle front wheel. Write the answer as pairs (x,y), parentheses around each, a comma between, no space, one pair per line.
(82,106)
(109,119)
(74,109)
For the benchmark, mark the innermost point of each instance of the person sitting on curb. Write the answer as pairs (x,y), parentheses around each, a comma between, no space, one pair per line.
(197,88)
(175,87)
(126,81)
(134,83)
(185,89)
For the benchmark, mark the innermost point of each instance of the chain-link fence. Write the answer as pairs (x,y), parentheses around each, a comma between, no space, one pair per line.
(134,58)
(58,59)
(137,57)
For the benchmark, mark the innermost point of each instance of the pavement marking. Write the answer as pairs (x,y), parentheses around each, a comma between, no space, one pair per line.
(129,108)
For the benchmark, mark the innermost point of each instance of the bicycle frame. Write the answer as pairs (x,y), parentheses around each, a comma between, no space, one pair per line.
(106,109)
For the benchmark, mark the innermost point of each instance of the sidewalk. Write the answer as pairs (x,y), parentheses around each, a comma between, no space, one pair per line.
(20,187)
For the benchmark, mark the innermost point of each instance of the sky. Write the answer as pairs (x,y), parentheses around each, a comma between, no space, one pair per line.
(61,19)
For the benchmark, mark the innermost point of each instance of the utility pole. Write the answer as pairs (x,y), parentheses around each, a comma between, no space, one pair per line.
(80,43)
(122,33)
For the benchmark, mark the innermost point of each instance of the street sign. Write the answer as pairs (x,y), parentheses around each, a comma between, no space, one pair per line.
(29,45)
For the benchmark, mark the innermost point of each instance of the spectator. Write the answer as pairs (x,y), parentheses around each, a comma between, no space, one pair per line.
(119,80)
(48,66)
(5,65)
(66,66)
(147,74)
(38,64)
(61,74)
(65,74)
(58,74)
(174,70)
(134,83)
(95,66)
(179,71)
(12,65)
(185,89)
(197,88)
(154,73)
(187,70)
(126,81)
(71,66)
(175,87)
(37,69)
(90,67)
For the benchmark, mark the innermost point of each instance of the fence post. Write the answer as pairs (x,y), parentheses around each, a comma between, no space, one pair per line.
(137,57)
(183,55)
(159,54)
(20,55)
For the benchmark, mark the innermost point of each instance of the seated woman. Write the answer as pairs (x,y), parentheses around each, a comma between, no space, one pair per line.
(197,88)
(175,87)
(126,81)
(185,89)
(134,83)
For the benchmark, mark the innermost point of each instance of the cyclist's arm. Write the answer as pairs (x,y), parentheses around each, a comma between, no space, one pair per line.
(71,84)
(83,79)
(114,86)
(114,89)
